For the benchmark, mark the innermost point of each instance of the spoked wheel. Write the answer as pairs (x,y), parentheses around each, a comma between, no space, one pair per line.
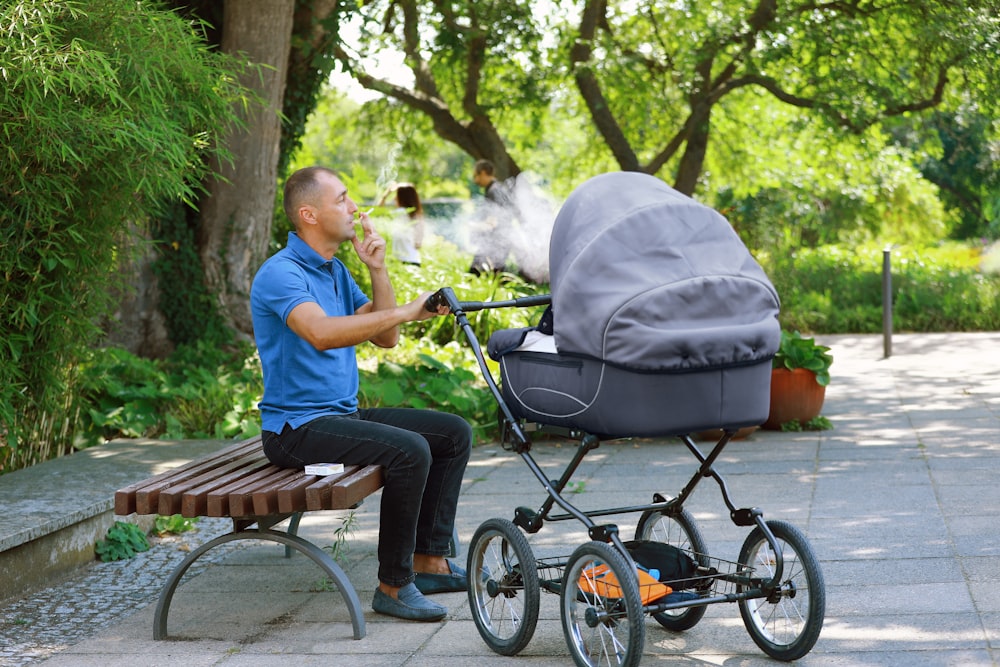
(601,607)
(504,596)
(786,624)
(678,530)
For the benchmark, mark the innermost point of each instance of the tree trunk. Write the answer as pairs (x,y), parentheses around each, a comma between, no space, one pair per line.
(693,159)
(236,215)
(137,325)
(590,88)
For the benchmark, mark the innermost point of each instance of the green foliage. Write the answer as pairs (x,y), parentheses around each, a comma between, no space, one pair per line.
(835,190)
(838,289)
(819,423)
(798,352)
(188,309)
(338,550)
(173,525)
(955,151)
(108,109)
(123,541)
(432,384)
(341,535)
(198,392)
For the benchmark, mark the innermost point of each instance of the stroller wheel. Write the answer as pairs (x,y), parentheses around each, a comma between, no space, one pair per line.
(504,597)
(681,531)
(601,607)
(786,623)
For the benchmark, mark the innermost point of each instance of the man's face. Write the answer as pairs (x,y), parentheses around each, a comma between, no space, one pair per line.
(480,178)
(334,210)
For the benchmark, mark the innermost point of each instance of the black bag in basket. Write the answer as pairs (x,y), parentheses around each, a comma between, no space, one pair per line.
(677,568)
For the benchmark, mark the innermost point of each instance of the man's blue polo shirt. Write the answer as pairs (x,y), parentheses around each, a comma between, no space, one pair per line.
(302,383)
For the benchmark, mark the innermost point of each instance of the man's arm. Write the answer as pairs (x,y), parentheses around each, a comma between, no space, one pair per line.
(324,332)
(370,248)
(383,299)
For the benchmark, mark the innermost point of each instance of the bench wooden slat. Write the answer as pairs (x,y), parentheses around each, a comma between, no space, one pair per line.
(239,482)
(345,492)
(142,497)
(264,494)
(292,494)
(194,499)
(171,499)
(234,500)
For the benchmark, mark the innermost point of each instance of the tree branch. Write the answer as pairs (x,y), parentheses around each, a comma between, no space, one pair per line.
(590,89)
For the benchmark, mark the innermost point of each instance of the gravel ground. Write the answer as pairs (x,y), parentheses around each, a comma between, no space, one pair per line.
(46,621)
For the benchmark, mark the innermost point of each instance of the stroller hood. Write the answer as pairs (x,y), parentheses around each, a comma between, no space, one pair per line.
(648,279)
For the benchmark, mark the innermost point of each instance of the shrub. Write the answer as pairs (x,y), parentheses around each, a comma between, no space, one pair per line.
(108,109)
(200,391)
(838,289)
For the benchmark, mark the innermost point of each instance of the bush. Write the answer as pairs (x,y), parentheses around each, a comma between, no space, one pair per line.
(198,392)
(108,109)
(838,289)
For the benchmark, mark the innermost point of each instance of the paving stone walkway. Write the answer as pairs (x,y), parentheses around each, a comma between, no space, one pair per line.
(899,503)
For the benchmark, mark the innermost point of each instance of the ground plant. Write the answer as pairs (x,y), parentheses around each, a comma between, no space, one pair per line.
(174,524)
(123,541)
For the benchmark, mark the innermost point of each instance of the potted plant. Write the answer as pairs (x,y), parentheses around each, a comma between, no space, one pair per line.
(799,376)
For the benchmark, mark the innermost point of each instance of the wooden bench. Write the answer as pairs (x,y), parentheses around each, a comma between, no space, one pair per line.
(239,483)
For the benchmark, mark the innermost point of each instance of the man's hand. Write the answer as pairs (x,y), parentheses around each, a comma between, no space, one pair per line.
(426,313)
(370,246)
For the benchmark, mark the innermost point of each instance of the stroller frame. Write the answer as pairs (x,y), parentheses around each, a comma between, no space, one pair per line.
(602,625)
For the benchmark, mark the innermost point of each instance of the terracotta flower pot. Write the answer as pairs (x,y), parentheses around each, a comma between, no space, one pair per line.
(795,395)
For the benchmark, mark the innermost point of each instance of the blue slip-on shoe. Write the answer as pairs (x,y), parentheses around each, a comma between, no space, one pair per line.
(456,582)
(410,605)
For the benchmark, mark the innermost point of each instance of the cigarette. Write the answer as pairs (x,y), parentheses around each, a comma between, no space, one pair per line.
(368,212)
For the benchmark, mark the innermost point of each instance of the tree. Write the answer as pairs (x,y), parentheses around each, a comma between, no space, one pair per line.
(652,74)
(957,151)
(235,216)
(225,233)
(472,63)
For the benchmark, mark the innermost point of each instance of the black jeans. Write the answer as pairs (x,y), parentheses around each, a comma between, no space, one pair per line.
(423,454)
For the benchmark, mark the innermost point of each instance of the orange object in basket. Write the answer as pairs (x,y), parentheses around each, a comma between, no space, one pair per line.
(600,580)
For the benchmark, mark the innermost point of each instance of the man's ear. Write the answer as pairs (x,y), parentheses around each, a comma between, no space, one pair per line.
(307,214)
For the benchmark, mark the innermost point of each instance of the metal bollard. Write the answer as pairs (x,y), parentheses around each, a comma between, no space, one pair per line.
(887,302)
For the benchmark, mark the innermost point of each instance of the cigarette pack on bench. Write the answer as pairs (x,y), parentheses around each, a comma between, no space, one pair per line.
(324,469)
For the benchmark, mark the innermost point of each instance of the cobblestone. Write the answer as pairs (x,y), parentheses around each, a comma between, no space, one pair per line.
(47,621)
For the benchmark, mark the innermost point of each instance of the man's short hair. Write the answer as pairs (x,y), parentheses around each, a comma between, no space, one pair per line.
(301,188)
(483,167)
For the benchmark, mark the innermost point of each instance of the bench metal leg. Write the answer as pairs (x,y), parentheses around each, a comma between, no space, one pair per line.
(318,556)
(293,529)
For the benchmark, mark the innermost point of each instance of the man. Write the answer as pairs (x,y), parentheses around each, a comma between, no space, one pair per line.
(308,314)
(493,237)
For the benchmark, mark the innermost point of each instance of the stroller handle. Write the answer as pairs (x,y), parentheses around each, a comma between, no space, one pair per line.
(446,296)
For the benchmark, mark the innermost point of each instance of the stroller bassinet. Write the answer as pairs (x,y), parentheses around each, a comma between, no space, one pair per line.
(661,322)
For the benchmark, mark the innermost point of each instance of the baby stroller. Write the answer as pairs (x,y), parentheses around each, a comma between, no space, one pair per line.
(659,323)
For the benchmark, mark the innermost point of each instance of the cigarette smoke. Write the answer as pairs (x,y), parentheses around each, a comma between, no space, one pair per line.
(524,227)
(521,230)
